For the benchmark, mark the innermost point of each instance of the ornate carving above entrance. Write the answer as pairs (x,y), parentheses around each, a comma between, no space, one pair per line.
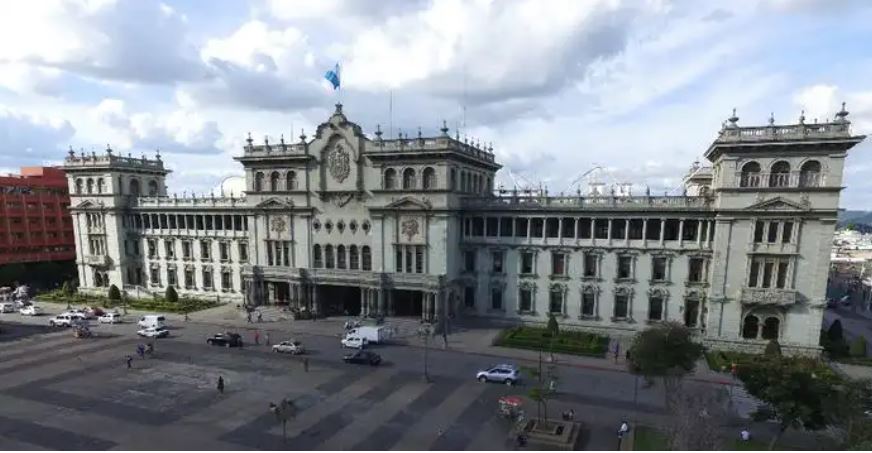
(278,224)
(339,163)
(410,228)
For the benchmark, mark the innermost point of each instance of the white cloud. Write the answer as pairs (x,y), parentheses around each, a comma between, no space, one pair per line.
(30,139)
(818,101)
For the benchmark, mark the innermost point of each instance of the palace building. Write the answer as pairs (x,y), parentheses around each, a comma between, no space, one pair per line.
(343,222)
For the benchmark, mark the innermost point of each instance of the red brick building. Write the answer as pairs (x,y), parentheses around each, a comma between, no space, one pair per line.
(35,221)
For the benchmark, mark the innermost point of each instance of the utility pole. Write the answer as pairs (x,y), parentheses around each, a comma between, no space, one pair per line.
(425,331)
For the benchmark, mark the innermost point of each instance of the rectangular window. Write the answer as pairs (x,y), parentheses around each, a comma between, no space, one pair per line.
(527,263)
(506,225)
(520,227)
(652,231)
(477,226)
(525,300)
(536,227)
(590,264)
(172,221)
(269,254)
(496,298)
(658,268)
(189,278)
(171,276)
(286,255)
(219,222)
(690,230)
(186,250)
(772,237)
(622,306)
(588,304)
(767,274)
(670,230)
(601,229)
(655,308)
(207,278)
(567,228)
(497,261)
(492,227)
(583,228)
(787,232)
(552,227)
(199,222)
(469,296)
(243,252)
(753,277)
(759,226)
(226,281)
(398,257)
(558,263)
(205,252)
(408,259)
(155,276)
(208,223)
(691,312)
(419,259)
(625,267)
(619,228)
(781,280)
(169,245)
(555,305)
(696,270)
(469,261)
(636,227)
(224,251)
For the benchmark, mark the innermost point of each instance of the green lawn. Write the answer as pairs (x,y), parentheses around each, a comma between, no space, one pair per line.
(567,341)
(649,439)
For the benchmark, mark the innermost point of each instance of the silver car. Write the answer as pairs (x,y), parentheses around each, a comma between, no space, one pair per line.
(506,374)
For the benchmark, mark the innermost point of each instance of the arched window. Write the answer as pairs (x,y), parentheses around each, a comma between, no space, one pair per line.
(274,182)
(429,178)
(258,182)
(780,174)
(750,175)
(98,279)
(101,185)
(340,257)
(152,188)
(291,180)
(750,327)
(771,327)
(317,262)
(353,258)
(390,179)
(810,174)
(79,186)
(365,258)
(453,176)
(329,257)
(134,187)
(409,178)
(90,185)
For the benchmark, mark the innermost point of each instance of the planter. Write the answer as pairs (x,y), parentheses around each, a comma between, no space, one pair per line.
(549,434)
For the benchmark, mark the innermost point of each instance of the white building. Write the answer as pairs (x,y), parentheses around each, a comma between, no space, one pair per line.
(344,222)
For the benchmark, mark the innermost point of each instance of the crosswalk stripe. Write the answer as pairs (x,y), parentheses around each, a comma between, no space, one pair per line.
(45,342)
(69,351)
(367,422)
(427,429)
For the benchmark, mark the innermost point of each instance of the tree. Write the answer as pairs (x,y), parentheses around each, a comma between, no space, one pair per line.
(792,393)
(858,347)
(666,350)
(553,328)
(846,410)
(68,291)
(171,295)
(114,294)
(773,349)
(544,388)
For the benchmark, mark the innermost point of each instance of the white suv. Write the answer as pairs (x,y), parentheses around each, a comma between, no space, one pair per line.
(110,318)
(30,310)
(506,374)
(62,320)
(354,342)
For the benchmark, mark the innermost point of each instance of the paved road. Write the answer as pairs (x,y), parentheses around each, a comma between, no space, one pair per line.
(62,393)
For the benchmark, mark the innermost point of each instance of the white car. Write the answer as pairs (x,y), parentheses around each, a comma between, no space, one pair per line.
(153,332)
(75,314)
(7,307)
(290,347)
(354,342)
(62,320)
(30,310)
(110,318)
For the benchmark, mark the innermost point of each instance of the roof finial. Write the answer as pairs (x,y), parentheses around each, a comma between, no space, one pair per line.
(378,132)
(249,140)
(282,141)
(444,128)
(842,115)
(71,152)
(802,116)
(338,109)
(771,118)
(302,135)
(108,149)
(733,119)
(157,154)
(419,133)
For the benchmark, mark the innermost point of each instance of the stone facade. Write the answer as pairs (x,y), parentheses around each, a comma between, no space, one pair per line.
(343,223)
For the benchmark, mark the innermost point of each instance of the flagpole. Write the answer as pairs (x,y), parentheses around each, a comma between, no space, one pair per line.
(391,114)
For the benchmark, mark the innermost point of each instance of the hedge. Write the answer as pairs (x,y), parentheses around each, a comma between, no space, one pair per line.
(567,341)
(152,304)
(723,360)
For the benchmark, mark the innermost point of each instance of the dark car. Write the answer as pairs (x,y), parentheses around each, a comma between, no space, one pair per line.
(228,340)
(363,357)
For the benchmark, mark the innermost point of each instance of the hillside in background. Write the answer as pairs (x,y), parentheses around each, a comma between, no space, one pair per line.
(860,219)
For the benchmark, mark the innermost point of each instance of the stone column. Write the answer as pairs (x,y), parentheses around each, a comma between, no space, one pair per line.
(271,298)
(381,301)
(315,308)
(645,232)
(627,230)
(699,225)
(662,231)
(362,302)
(425,305)
(680,232)
(609,233)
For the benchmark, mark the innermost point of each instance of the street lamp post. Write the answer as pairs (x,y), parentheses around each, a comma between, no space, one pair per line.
(283,411)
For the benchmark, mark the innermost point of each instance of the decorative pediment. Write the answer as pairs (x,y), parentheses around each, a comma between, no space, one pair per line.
(410,203)
(275,203)
(777,204)
(658,291)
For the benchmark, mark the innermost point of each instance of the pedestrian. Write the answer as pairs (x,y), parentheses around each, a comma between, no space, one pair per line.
(259,316)
(617,351)
(186,317)
(248,316)
(221,385)
(266,338)
(745,435)
(140,349)
(444,340)
(129,359)
(256,337)
(306,364)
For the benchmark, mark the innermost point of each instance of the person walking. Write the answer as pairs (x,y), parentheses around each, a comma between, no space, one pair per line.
(140,350)
(306,364)
(221,385)
(129,359)
(256,337)
(259,316)
(617,351)
(266,338)
(248,316)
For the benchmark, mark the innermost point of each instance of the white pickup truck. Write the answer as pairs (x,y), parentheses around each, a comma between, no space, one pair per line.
(372,334)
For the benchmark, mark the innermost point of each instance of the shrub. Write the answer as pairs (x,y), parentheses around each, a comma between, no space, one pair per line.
(858,347)
(553,327)
(114,293)
(773,349)
(171,295)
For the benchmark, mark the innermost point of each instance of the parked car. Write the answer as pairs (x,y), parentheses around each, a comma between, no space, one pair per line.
(153,332)
(152,321)
(7,307)
(352,341)
(506,374)
(290,347)
(76,314)
(62,320)
(30,310)
(362,357)
(226,339)
(110,318)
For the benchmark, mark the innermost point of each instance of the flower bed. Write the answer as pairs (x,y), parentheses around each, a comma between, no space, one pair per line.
(567,341)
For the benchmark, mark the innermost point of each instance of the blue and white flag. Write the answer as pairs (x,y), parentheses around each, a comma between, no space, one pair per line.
(332,76)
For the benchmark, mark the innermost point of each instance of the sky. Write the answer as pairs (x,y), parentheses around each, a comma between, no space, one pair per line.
(559,87)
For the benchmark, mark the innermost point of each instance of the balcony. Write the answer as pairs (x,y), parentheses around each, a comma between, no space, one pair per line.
(98,260)
(754,180)
(768,296)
